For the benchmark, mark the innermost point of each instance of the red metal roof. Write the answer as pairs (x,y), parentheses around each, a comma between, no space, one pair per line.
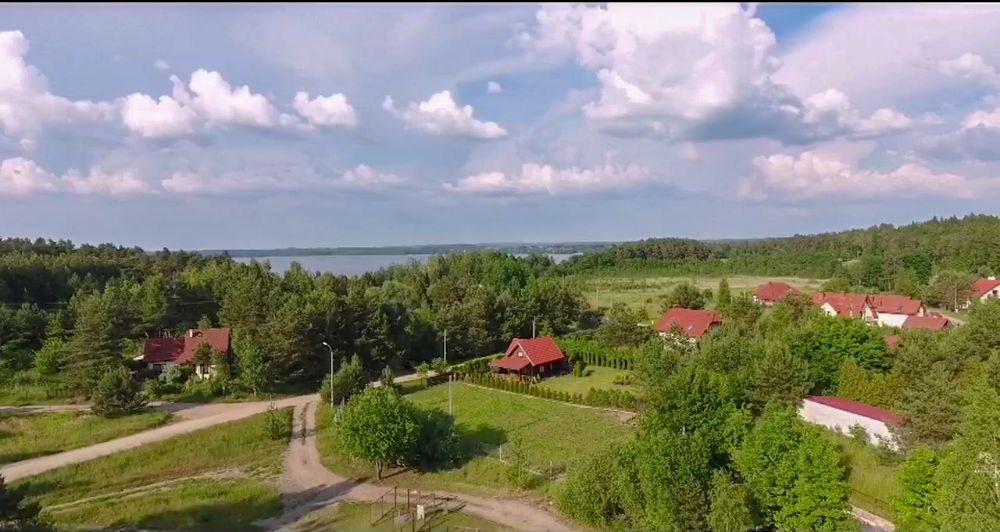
(924,322)
(181,350)
(893,304)
(774,291)
(861,409)
(846,305)
(523,352)
(983,286)
(694,323)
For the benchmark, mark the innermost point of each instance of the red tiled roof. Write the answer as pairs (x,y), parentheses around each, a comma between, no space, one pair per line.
(847,305)
(774,291)
(541,350)
(923,322)
(511,363)
(861,409)
(893,340)
(892,304)
(694,323)
(981,287)
(160,350)
(181,350)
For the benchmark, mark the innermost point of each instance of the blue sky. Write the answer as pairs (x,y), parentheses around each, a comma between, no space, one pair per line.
(320,125)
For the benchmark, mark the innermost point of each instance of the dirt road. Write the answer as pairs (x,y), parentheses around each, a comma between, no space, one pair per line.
(308,486)
(194,419)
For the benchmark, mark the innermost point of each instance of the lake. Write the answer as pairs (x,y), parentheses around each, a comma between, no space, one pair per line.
(349,264)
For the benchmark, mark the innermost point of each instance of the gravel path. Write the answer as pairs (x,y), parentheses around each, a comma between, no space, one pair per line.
(194,419)
(308,486)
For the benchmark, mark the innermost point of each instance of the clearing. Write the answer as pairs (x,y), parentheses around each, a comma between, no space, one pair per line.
(874,484)
(551,435)
(27,436)
(596,377)
(645,290)
(216,478)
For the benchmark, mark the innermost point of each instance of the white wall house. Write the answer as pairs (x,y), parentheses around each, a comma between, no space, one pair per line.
(842,414)
(984,290)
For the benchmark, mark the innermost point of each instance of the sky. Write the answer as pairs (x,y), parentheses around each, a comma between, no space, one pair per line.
(262,126)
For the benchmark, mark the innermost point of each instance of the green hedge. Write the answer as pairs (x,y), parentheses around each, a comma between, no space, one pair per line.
(595,353)
(595,397)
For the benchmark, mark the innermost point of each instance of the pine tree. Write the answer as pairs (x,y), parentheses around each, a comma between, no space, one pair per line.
(92,349)
(724,296)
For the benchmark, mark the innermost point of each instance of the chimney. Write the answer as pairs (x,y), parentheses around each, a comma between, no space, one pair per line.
(992,277)
(190,333)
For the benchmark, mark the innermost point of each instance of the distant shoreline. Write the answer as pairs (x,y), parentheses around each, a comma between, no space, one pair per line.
(564,248)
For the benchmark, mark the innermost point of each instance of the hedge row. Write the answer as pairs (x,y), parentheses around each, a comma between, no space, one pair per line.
(476,366)
(595,353)
(594,397)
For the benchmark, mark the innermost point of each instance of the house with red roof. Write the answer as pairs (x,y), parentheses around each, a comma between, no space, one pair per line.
(929,323)
(771,292)
(983,290)
(857,306)
(842,414)
(526,357)
(892,310)
(158,352)
(693,323)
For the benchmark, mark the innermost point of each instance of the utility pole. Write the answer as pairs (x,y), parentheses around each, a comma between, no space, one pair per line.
(331,373)
(451,402)
(532,327)
(446,346)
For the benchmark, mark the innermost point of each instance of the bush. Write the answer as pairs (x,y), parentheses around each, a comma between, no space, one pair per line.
(349,380)
(152,388)
(277,423)
(624,379)
(117,393)
(859,433)
(579,367)
(439,365)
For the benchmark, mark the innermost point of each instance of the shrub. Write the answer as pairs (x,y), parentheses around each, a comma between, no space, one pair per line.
(579,367)
(117,393)
(349,380)
(623,379)
(859,433)
(439,365)
(277,423)
(152,388)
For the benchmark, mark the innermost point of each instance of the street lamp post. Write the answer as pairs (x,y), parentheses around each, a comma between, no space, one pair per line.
(331,372)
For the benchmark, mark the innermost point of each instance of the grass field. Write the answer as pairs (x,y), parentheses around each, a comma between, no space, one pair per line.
(597,377)
(874,486)
(23,437)
(646,291)
(355,516)
(200,505)
(237,449)
(551,435)
(21,394)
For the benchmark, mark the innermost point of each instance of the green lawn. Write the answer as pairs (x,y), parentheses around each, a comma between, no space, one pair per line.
(644,290)
(597,377)
(203,505)
(874,486)
(28,436)
(552,435)
(241,446)
(356,516)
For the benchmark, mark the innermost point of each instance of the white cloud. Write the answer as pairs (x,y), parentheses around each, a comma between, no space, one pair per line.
(691,72)
(977,138)
(160,64)
(364,176)
(536,178)
(99,181)
(332,110)
(20,177)
(440,115)
(811,175)
(985,118)
(971,67)
(163,118)
(26,105)
(493,88)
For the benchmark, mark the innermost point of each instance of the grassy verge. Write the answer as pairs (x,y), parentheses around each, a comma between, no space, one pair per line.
(597,377)
(238,446)
(28,436)
(355,516)
(874,485)
(551,435)
(21,394)
(202,505)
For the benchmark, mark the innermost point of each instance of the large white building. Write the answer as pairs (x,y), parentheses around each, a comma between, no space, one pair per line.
(842,414)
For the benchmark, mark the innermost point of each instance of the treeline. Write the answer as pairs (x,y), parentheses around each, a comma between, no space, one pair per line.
(67,310)
(879,257)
